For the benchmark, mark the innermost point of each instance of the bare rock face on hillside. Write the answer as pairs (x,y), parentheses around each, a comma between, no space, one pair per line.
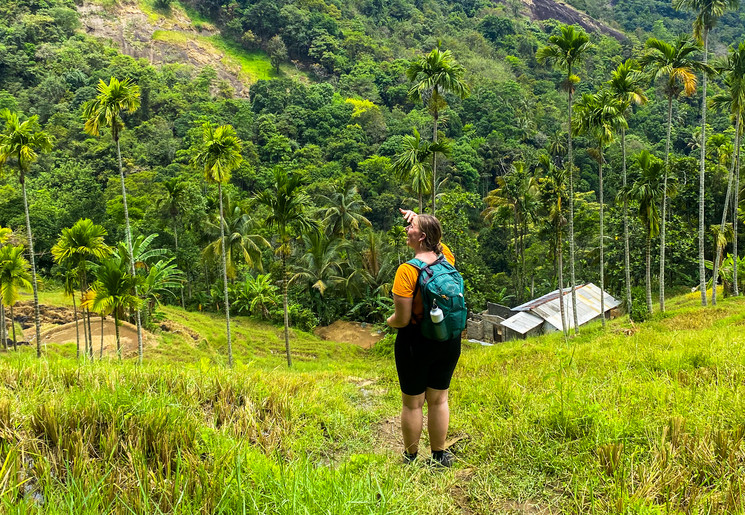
(133,31)
(557,10)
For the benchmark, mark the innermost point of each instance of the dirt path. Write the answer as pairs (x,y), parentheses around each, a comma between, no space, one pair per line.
(350,332)
(127,333)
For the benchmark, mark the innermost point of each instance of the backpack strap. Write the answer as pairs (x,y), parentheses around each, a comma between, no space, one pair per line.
(421,266)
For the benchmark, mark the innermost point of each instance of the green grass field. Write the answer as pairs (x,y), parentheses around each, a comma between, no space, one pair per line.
(643,419)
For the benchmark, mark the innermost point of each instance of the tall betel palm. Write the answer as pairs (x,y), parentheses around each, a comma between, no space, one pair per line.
(106,111)
(112,293)
(76,246)
(566,51)
(600,115)
(675,64)
(411,164)
(732,98)
(219,156)
(172,203)
(626,86)
(708,13)
(515,197)
(434,75)
(21,141)
(648,191)
(553,186)
(13,275)
(288,209)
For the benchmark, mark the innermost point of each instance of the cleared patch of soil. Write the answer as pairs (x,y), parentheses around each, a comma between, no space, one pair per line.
(55,315)
(127,334)
(350,332)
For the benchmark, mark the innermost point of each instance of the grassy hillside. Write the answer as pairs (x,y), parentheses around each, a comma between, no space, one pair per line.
(640,419)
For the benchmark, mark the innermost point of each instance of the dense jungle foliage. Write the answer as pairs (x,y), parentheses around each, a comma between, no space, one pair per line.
(341,133)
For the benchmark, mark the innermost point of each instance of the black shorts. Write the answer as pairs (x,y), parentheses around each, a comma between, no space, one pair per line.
(423,363)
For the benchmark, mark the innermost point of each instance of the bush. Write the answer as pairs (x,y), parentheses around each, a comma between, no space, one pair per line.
(639,311)
(300,317)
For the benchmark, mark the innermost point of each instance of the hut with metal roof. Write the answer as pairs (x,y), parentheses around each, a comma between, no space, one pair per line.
(543,315)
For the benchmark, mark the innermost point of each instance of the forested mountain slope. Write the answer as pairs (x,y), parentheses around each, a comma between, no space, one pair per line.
(337,113)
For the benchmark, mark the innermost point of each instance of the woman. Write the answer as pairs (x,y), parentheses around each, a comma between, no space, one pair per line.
(424,366)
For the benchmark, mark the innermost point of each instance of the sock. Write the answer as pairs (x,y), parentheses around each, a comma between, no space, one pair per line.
(410,456)
(438,454)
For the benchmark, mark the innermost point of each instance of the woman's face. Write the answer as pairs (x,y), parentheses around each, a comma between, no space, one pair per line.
(414,235)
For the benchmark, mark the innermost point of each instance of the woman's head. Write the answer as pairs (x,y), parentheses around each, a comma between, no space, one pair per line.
(425,232)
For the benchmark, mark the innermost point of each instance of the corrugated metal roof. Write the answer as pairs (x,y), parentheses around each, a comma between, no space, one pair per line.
(540,300)
(588,306)
(522,322)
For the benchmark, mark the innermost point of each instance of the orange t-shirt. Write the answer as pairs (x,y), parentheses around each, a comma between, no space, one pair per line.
(405,283)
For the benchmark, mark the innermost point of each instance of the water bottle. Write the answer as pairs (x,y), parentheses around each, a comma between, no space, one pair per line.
(437,318)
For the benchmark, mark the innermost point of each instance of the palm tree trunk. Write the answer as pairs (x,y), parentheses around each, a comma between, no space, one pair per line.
(518,279)
(434,160)
(77,328)
(720,248)
(602,227)
(85,329)
(129,248)
(626,258)
(735,205)
(225,278)
(287,314)
(560,267)
(663,221)
(13,327)
(3,327)
(32,259)
(175,239)
(649,271)
(90,332)
(421,203)
(570,163)
(116,329)
(100,354)
(701,179)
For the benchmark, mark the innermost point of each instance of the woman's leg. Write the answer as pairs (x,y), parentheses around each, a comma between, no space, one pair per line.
(411,421)
(438,418)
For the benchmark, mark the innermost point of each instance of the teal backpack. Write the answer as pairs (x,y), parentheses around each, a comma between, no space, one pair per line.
(442,287)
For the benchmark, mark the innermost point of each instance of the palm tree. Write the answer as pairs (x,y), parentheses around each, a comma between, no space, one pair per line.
(219,156)
(13,275)
(161,279)
(708,13)
(20,141)
(106,111)
(601,115)
(344,214)
(319,268)
(566,51)
(648,191)
(516,197)
(76,246)
(112,293)
(433,76)
(241,239)
(733,99)
(625,84)
(675,64)
(172,203)
(288,210)
(256,294)
(553,192)
(411,165)
(69,284)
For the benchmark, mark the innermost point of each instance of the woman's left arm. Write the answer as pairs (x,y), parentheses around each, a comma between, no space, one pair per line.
(402,313)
